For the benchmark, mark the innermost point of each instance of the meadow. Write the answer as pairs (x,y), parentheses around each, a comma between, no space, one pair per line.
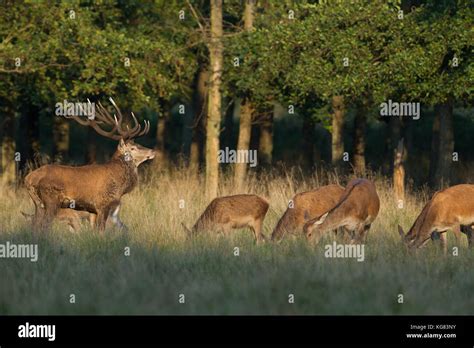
(163,263)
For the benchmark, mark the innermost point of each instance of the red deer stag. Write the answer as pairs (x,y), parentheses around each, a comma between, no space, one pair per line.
(305,205)
(232,212)
(449,209)
(356,210)
(95,188)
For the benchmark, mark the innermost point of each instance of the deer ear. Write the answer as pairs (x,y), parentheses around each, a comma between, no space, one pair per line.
(400,231)
(187,230)
(321,219)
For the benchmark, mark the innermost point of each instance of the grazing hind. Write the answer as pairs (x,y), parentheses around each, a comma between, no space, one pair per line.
(232,212)
(449,209)
(306,205)
(356,210)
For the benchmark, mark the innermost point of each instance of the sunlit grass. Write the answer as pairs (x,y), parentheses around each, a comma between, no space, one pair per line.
(163,264)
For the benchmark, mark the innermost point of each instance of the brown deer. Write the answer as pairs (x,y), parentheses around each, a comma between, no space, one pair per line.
(232,212)
(94,188)
(356,210)
(449,209)
(306,205)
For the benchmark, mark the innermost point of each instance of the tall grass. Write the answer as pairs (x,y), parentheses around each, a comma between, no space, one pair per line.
(163,264)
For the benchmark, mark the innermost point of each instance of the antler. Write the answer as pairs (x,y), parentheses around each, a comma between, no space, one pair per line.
(136,131)
(103,118)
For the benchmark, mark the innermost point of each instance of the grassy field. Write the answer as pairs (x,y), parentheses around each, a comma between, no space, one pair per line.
(163,264)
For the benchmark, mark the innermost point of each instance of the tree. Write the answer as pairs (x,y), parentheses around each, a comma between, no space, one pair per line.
(435,67)
(200,108)
(89,51)
(337,130)
(246,110)
(214,104)
(337,56)
(265,143)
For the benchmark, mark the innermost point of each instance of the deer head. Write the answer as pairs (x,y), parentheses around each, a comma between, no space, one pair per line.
(313,225)
(406,239)
(127,148)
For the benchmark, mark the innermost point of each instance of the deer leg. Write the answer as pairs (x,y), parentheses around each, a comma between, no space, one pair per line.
(364,232)
(441,236)
(92,219)
(101,219)
(114,217)
(38,217)
(339,233)
(470,235)
(51,209)
(51,203)
(443,243)
(103,215)
(457,233)
(257,230)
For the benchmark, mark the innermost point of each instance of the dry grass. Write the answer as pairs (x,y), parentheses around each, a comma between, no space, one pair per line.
(163,264)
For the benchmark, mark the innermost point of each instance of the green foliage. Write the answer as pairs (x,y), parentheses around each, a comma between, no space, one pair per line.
(388,55)
(75,51)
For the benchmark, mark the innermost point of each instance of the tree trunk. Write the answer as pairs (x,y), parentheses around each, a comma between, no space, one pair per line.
(200,117)
(434,150)
(399,175)
(246,111)
(227,133)
(445,144)
(61,139)
(7,155)
(359,140)
(249,14)
(309,135)
(187,134)
(337,129)
(395,125)
(265,147)
(243,143)
(161,160)
(214,108)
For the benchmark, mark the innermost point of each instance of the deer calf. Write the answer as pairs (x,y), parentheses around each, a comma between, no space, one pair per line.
(232,212)
(304,206)
(74,218)
(449,209)
(355,211)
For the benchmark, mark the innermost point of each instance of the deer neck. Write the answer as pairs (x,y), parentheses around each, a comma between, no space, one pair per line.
(420,227)
(127,172)
(334,220)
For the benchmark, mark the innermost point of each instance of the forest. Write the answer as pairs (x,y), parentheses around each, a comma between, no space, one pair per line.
(300,82)
(263,97)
